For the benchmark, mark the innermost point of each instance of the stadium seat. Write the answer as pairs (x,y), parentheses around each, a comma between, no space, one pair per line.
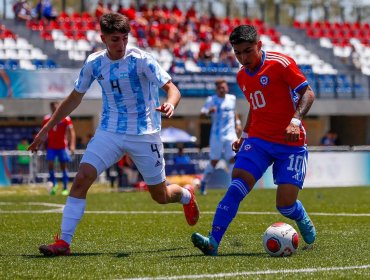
(26,64)
(51,64)
(38,63)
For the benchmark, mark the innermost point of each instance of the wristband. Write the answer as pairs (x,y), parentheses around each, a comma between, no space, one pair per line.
(171,105)
(244,135)
(296,121)
(238,122)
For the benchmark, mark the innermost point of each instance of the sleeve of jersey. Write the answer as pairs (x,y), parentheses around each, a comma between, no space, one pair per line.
(154,72)
(294,77)
(69,121)
(85,79)
(207,105)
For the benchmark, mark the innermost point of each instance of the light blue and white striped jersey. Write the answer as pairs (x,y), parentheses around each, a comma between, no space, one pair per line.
(223,120)
(129,90)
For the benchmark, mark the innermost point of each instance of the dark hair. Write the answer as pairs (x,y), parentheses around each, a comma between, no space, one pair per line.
(114,22)
(242,34)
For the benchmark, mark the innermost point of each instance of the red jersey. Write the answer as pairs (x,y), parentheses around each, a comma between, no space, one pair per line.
(272,92)
(57,136)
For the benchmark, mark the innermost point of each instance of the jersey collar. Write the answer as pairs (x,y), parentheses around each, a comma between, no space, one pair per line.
(259,67)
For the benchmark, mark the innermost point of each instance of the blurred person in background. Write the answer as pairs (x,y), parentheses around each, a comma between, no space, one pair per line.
(130,123)
(180,157)
(226,125)
(48,11)
(23,160)
(59,138)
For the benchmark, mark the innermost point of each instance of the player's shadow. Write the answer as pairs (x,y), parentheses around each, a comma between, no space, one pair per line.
(223,255)
(157,250)
(119,255)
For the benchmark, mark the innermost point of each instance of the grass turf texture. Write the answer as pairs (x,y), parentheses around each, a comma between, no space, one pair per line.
(137,245)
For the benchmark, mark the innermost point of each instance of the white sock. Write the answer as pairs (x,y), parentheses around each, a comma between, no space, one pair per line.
(186,196)
(72,214)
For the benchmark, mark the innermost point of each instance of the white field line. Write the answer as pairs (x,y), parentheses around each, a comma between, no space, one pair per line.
(58,208)
(247,273)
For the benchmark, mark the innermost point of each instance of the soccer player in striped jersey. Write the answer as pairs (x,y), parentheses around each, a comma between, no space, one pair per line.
(225,126)
(279,98)
(130,123)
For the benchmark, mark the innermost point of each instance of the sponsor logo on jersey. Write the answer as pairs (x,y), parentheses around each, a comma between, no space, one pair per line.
(264,80)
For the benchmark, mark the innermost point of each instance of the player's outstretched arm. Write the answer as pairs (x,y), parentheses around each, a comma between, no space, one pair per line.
(64,109)
(173,99)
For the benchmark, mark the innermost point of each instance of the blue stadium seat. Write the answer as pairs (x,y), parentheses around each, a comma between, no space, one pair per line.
(2,64)
(326,86)
(51,64)
(306,69)
(344,87)
(12,64)
(38,63)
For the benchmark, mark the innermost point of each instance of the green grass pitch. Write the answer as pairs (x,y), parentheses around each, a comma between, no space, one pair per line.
(127,235)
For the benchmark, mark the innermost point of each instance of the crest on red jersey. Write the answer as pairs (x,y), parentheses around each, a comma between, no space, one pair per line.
(264,80)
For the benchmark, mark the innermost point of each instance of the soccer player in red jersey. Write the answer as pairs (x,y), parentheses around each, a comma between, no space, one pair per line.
(279,98)
(57,147)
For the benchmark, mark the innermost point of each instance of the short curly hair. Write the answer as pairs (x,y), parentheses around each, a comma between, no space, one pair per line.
(243,33)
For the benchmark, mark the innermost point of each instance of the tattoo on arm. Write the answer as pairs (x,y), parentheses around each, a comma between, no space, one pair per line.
(305,103)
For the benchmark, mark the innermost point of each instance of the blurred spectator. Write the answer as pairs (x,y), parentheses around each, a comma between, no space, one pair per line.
(23,160)
(191,13)
(48,10)
(22,11)
(111,177)
(79,143)
(130,172)
(33,135)
(181,158)
(355,59)
(330,139)
(100,10)
(38,10)
(127,174)
(110,7)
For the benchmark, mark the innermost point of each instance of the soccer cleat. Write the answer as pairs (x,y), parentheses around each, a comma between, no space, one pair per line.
(54,190)
(58,248)
(208,245)
(65,192)
(307,229)
(191,209)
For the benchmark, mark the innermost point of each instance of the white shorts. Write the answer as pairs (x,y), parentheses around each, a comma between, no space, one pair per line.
(221,149)
(146,151)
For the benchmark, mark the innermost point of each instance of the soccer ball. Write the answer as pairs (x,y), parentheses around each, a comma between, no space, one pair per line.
(280,240)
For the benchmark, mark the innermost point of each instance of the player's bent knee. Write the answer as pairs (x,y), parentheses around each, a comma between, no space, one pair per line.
(160,199)
(159,193)
(86,174)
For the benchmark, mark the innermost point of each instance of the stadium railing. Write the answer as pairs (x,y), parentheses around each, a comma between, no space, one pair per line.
(36,172)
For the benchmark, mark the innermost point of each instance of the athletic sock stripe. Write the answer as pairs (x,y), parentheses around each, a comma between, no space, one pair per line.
(241,186)
(287,211)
